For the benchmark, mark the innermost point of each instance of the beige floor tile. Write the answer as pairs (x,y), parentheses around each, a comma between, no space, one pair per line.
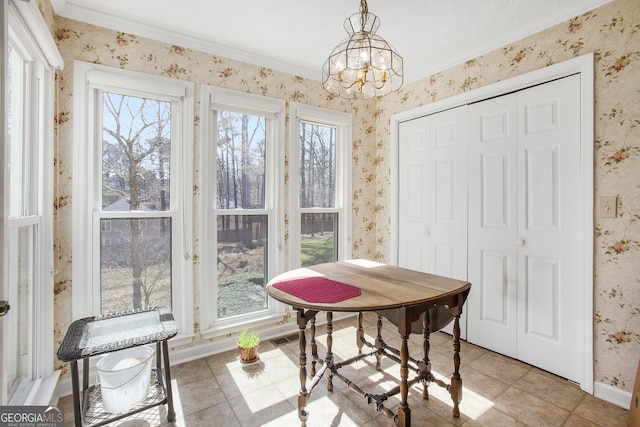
(557,391)
(257,407)
(196,396)
(277,366)
(189,372)
(439,403)
(602,413)
(500,367)
(529,409)
(218,362)
(468,352)
(66,403)
(476,382)
(577,421)
(419,417)
(339,408)
(218,415)
(493,418)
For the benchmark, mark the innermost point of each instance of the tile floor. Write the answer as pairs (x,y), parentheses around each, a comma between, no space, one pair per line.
(498,391)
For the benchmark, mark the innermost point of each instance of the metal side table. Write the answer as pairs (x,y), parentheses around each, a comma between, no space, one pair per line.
(106,333)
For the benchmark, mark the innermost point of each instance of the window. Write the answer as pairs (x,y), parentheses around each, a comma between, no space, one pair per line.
(320,165)
(28,57)
(242,212)
(134,244)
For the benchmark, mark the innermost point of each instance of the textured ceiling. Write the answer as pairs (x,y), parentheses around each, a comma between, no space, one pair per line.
(296,36)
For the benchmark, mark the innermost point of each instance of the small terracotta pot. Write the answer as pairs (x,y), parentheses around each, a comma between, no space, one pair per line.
(248,355)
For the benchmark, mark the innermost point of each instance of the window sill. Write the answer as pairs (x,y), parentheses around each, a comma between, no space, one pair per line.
(179,340)
(225,329)
(41,391)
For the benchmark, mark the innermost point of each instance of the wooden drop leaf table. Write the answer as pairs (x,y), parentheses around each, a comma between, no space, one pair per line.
(413,301)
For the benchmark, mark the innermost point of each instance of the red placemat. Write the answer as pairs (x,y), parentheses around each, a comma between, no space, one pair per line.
(318,289)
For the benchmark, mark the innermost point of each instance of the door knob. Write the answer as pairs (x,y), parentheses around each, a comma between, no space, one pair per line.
(520,243)
(427,232)
(4,307)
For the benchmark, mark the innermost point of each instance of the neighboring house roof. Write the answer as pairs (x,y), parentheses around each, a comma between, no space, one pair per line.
(122,205)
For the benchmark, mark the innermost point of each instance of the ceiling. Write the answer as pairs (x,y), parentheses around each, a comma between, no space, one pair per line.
(296,36)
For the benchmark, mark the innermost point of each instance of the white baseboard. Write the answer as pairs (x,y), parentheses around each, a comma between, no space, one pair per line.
(612,394)
(188,354)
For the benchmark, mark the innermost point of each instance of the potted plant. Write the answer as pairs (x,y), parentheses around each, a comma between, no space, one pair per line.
(248,343)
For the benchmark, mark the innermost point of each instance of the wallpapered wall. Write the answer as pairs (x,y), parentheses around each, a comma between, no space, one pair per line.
(612,32)
(78,41)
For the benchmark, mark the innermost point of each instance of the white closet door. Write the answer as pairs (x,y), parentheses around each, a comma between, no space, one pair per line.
(493,228)
(413,194)
(448,194)
(549,227)
(524,222)
(433,196)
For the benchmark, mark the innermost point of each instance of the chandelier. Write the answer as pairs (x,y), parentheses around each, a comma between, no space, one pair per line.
(364,65)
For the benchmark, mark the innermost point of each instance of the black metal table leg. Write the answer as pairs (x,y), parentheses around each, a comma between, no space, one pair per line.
(171,414)
(75,384)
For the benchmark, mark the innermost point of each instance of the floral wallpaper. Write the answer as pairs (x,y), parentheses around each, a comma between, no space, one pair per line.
(611,32)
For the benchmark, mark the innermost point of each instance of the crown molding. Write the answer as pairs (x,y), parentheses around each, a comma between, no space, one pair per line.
(129,26)
(525,31)
(413,71)
(32,19)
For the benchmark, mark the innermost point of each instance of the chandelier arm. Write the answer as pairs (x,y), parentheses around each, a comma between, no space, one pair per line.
(362,82)
(351,85)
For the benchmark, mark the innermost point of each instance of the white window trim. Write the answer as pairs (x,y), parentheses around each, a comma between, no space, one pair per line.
(27,24)
(87,78)
(343,123)
(229,100)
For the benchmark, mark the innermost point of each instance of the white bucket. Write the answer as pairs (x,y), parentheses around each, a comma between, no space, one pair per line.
(124,378)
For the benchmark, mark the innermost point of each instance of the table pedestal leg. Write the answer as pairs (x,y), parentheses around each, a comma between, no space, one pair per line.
(456,380)
(379,343)
(329,356)
(404,413)
(360,334)
(314,346)
(302,396)
(426,335)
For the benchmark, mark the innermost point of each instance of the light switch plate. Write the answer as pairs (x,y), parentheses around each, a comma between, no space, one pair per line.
(608,207)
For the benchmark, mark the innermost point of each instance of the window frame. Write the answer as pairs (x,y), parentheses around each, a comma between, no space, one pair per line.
(24,25)
(90,80)
(214,99)
(343,123)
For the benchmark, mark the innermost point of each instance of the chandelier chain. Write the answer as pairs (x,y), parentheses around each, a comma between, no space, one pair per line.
(364,10)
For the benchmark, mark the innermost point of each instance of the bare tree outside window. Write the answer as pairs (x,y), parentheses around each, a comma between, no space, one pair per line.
(241,233)
(317,165)
(136,154)
(317,178)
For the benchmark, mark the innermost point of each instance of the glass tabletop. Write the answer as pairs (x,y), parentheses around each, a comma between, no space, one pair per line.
(121,328)
(116,331)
